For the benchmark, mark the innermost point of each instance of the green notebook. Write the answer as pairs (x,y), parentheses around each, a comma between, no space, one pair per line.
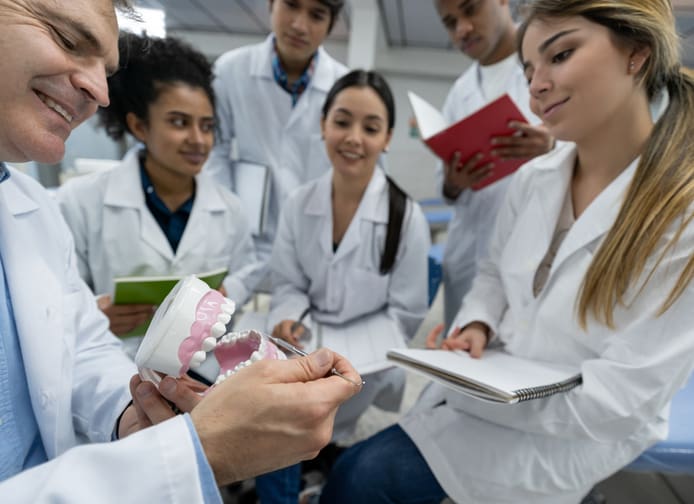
(153,290)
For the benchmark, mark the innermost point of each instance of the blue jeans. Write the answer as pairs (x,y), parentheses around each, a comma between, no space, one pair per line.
(387,468)
(279,487)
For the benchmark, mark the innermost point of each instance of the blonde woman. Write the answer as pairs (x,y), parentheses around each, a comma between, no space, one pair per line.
(591,264)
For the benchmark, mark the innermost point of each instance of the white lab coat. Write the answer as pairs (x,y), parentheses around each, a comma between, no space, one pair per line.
(77,374)
(344,285)
(553,450)
(474,212)
(116,234)
(258,124)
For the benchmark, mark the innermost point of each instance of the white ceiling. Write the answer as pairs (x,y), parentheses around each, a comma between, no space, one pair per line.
(406,23)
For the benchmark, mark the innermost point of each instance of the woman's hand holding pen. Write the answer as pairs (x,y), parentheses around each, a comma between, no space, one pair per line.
(472,338)
(292,330)
(289,330)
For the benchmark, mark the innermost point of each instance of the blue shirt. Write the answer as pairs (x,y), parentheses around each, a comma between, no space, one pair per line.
(300,85)
(21,446)
(173,224)
(210,493)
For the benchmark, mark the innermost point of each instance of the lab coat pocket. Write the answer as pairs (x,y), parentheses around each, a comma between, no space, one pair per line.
(366,291)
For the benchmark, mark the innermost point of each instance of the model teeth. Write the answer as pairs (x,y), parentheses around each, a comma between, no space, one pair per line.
(198,358)
(224,318)
(230,372)
(218,329)
(229,307)
(53,105)
(209,343)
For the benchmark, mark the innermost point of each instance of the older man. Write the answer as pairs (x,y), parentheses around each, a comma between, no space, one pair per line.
(62,374)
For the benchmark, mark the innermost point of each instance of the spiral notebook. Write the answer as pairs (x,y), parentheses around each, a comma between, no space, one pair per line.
(497,376)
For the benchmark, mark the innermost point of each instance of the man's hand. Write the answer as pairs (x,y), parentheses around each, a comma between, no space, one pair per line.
(460,176)
(272,414)
(151,406)
(472,338)
(528,142)
(124,318)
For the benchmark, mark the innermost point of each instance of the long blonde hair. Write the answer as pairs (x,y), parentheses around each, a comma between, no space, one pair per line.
(662,189)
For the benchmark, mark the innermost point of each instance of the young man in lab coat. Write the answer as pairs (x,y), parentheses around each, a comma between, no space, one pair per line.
(485,32)
(62,374)
(269,98)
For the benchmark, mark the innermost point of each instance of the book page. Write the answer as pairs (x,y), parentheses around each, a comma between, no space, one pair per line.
(365,341)
(429,120)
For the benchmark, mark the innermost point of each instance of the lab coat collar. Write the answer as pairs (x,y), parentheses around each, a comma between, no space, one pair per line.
(556,169)
(470,87)
(373,208)
(124,184)
(33,283)
(124,189)
(15,200)
(207,200)
(262,65)
(322,79)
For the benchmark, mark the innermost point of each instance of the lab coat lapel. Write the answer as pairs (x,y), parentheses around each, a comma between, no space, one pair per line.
(554,174)
(319,205)
(125,191)
(321,82)
(597,219)
(36,295)
(472,98)
(207,201)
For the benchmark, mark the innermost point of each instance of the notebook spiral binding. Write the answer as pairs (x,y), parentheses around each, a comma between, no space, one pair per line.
(527,394)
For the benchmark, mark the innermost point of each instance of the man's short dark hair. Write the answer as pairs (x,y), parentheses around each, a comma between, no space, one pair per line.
(334,6)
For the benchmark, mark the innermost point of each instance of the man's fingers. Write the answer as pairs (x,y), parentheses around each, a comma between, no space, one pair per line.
(142,419)
(315,366)
(153,406)
(180,392)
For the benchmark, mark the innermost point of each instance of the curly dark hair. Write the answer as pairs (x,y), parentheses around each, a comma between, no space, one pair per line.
(148,66)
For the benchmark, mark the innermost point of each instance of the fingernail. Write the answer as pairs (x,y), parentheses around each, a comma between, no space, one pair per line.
(167,386)
(323,357)
(144,390)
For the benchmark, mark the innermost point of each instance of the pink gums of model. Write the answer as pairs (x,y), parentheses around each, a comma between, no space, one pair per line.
(191,322)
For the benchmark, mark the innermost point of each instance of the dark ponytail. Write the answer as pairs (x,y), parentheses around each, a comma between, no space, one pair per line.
(397,207)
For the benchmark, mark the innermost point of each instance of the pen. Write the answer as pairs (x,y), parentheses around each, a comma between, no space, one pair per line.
(297,351)
(297,323)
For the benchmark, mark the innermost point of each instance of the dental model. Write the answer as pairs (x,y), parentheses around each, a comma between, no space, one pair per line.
(192,321)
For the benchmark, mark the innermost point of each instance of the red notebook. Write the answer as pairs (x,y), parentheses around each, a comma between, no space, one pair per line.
(471,134)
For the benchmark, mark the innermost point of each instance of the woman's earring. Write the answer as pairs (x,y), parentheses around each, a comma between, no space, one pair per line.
(631,66)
